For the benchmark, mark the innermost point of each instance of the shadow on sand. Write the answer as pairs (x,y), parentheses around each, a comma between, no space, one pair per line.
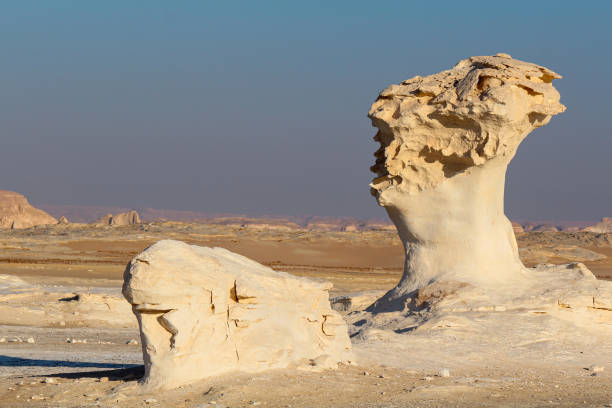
(115,371)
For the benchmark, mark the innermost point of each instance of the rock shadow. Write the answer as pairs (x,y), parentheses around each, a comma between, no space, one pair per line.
(133,373)
(11,361)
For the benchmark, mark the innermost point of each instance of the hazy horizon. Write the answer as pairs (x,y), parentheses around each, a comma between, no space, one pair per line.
(255,108)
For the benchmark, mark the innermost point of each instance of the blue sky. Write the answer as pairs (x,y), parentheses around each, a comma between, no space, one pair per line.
(260,107)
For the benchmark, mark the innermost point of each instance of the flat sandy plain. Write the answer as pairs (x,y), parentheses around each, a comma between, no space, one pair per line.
(103,371)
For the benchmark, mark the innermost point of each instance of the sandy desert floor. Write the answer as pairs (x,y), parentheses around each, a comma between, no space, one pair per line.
(74,359)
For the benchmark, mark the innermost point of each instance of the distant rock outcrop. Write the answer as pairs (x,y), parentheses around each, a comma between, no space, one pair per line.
(126,218)
(605,226)
(63,220)
(16,212)
(542,228)
(517,228)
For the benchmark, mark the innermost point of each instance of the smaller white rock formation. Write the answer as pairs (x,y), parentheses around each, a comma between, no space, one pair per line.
(126,218)
(207,311)
(17,213)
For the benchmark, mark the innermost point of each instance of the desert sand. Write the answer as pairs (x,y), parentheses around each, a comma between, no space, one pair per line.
(63,260)
(454,310)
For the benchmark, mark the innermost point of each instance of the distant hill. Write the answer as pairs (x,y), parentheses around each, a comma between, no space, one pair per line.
(91,214)
(16,212)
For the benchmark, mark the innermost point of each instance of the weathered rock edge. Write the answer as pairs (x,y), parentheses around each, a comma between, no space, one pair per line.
(207,311)
(17,213)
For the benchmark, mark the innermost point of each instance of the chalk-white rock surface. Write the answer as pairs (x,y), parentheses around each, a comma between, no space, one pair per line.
(207,311)
(446,141)
(28,304)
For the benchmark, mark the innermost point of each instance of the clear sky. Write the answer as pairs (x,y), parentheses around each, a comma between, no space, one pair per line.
(260,107)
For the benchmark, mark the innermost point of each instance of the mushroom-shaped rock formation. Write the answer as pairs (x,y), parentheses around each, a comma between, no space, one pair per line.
(16,212)
(206,311)
(446,140)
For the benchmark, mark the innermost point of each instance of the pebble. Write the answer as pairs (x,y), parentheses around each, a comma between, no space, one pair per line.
(444,373)
(15,340)
(37,397)
(2,340)
(150,401)
(596,369)
(30,340)
(103,379)
(49,380)
(428,378)
(366,373)
(254,403)
(132,342)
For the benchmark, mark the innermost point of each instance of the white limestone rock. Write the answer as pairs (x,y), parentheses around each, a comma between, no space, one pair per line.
(22,303)
(207,311)
(446,141)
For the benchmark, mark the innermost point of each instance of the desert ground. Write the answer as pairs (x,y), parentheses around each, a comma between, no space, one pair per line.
(69,340)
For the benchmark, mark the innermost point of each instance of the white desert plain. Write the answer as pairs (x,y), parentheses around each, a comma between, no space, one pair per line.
(452,306)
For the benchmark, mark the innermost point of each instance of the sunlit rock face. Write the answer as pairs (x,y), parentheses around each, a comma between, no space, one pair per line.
(446,141)
(16,212)
(207,311)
